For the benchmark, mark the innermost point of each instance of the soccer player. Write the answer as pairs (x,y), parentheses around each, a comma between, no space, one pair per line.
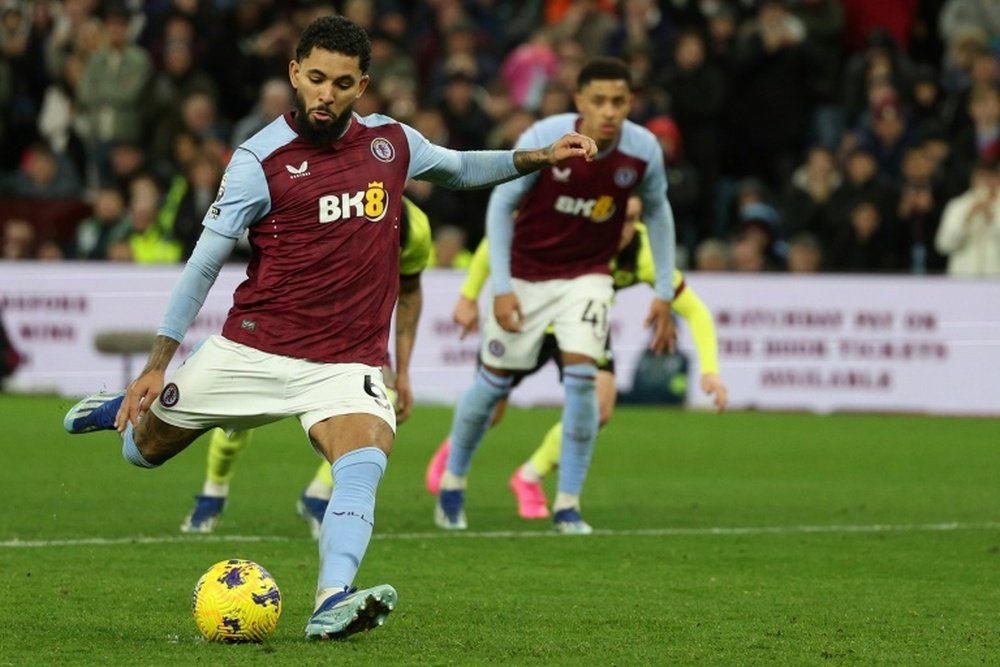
(633,264)
(320,191)
(225,448)
(552,237)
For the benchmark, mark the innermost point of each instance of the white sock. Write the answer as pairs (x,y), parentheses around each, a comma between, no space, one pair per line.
(566,501)
(215,489)
(529,474)
(452,482)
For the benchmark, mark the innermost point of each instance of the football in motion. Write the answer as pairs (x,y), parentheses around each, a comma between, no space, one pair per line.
(236,601)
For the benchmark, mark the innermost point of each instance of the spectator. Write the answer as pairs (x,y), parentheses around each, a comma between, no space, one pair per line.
(95,234)
(970,227)
(866,244)
(807,206)
(645,26)
(112,89)
(746,255)
(46,175)
(805,254)
(147,242)
(188,201)
(919,213)
(981,140)
(18,239)
(529,68)
(683,183)
(450,248)
(712,254)
(275,99)
(60,121)
(861,182)
(887,133)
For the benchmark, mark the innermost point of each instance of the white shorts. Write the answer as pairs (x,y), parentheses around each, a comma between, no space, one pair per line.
(579,310)
(237,387)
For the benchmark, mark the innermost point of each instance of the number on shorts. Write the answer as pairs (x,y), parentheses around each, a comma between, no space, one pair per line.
(596,313)
(372,390)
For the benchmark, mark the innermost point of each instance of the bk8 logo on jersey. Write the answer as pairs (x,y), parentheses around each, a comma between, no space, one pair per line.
(597,210)
(370,204)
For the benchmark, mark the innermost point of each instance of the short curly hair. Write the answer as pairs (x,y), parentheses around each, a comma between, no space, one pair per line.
(337,34)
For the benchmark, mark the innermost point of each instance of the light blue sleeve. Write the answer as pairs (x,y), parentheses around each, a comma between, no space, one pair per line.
(243,198)
(199,274)
(500,219)
(659,219)
(457,170)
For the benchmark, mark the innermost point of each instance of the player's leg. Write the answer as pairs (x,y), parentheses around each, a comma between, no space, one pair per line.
(314,499)
(502,354)
(355,435)
(582,331)
(223,451)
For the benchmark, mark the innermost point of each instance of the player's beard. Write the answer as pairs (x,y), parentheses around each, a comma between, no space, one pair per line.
(322,134)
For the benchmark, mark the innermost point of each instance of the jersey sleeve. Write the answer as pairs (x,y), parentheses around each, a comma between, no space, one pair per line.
(479,271)
(243,198)
(689,305)
(457,170)
(659,219)
(415,254)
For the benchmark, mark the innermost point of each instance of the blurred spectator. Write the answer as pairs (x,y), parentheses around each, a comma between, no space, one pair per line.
(970,227)
(919,212)
(697,91)
(504,135)
(959,15)
(645,26)
(760,223)
(980,140)
(112,89)
(276,97)
(927,100)
(463,113)
(529,68)
(50,250)
(770,103)
(887,134)
(881,65)
(147,242)
(712,254)
(60,121)
(824,24)
(450,248)
(19,239)
(392,70)
(107,225)
(746,255)
(867,244)
(188,200)
(45,175)
(863,17)
(861,182)
(807,206)
(805,254)
(588,22)
(555,100)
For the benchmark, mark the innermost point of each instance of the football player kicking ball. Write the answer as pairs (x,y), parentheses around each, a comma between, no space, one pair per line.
(320,193)
(632,265)
(224,449)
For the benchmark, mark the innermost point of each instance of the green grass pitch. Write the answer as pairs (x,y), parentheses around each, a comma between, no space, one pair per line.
(735,539)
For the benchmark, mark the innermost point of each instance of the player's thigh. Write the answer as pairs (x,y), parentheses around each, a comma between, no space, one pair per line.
(584,317)
(520,350)
(344,407)
(159,441)
(226,384)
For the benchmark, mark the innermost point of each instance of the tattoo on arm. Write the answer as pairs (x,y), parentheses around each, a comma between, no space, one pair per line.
(533,160)
(161,354)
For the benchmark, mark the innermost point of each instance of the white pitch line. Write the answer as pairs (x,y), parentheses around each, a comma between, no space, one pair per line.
(508,534)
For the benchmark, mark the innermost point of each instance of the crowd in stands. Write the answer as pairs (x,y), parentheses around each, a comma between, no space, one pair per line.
(799,135)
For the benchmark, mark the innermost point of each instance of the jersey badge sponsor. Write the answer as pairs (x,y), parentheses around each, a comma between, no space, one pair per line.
(496,348)
(214,213)
(625,177)
(371,204)
(560,175)
(170,395)
(299,171)
(383,150)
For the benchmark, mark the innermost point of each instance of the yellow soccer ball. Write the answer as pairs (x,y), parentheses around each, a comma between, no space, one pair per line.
(236,601)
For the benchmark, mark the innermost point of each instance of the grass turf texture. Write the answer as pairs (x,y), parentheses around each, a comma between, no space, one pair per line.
(841,592)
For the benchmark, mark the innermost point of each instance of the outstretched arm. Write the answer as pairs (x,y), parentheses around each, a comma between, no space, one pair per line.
(185,301)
